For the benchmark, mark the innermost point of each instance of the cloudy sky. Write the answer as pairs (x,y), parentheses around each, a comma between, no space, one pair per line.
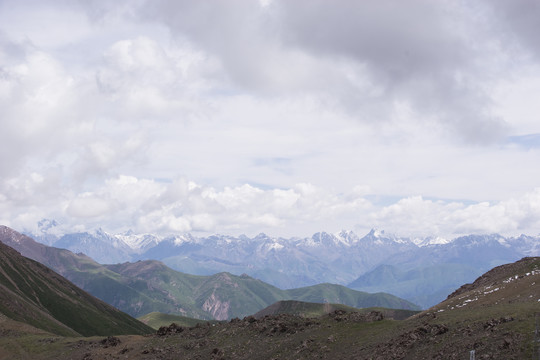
(286,117)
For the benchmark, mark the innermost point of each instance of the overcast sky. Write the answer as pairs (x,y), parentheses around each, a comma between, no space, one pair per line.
(287,117)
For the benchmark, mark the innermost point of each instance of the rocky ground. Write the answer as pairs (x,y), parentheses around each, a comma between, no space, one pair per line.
(495,317)
(339,335)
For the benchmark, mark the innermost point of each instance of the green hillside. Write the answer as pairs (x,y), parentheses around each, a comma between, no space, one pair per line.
(308,309)
(338,294)
(156,320)
(150,286)
(36,295)
(495,317)
(301,308)
(223,296)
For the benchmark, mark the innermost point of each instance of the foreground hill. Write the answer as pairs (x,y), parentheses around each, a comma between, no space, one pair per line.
(34,294)
(149,286)
(494,317)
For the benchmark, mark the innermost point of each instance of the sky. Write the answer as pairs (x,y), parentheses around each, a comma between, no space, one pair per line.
(417,117)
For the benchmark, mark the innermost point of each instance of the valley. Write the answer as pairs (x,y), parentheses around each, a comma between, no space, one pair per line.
(146,286)
(493,323)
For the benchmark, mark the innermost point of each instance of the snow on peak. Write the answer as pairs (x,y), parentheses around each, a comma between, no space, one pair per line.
(380,237)
(376,232)
(275,246)
(347,237)
(432,240)
(44,225)
(138,241)
(181,239)
(262,237)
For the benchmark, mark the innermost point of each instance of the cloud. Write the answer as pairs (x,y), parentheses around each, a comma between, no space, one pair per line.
(89,206)
(419,52)
(397,40)
(363,56)
(34,93)
(517,20)
(422,216)
(184,206)
(144,205)
(244,116)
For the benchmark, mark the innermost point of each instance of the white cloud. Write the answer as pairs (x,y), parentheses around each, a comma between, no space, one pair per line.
(268,115)
(418,216)
(89,206)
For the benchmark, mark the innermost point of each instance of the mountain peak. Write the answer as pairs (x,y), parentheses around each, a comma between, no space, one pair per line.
(44,225)
(347,237)
(261,236)
(375,232)
(8,233)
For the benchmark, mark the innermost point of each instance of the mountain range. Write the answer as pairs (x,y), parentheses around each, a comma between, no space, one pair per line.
(146,286)
(42,316)
(421,270)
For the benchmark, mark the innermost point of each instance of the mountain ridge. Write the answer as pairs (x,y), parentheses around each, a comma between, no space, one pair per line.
(492,317)
(32,293)
(342,258)
(149,285)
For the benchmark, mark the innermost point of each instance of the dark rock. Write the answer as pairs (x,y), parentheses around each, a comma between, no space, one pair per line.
(110,341)
(250,319)
(171,329)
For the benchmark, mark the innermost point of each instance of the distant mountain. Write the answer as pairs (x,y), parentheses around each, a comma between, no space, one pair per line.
(148,286)
(34,294)
(98,244)
(428,274)
(424,270)
(426,285)
(285,263)
(133,297)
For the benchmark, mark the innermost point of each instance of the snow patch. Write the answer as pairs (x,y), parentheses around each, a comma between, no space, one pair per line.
(491,291)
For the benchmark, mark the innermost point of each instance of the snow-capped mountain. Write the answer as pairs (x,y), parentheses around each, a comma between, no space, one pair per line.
(431,240)
(138,242)
(427,269)
(98,244)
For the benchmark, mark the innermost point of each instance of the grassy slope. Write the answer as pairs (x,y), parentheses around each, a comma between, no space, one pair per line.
(497,324)
(289,337)
(307,309)
(300,308)
(342,295)
(148,286)
(50,301)
(240,295)
(156,319)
